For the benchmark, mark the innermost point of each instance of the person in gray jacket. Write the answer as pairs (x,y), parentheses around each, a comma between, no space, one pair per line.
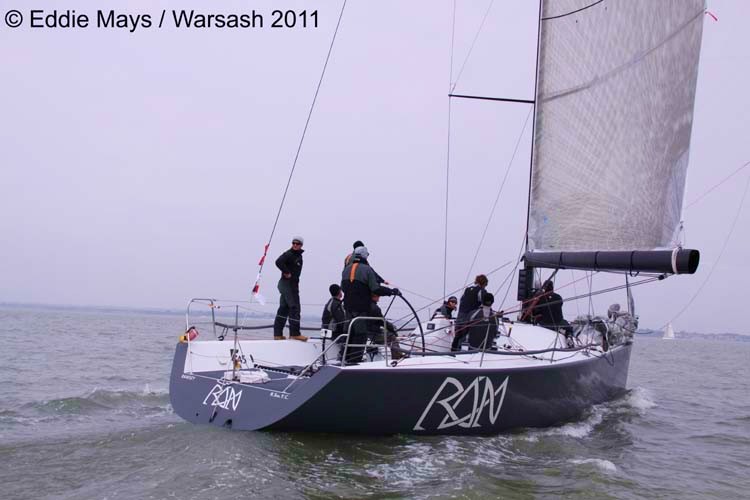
(359,283)
(347,260)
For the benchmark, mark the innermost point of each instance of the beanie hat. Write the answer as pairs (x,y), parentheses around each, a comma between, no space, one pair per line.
(361,252)
(299,238)
(357,244)
(334,290)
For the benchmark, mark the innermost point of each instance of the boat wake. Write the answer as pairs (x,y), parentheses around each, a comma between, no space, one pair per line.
(103,400)
(601,464)
(577,430)
(96,410)
(640,399)
(636,401)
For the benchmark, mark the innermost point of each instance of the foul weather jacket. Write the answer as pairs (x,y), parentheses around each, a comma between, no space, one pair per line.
(471,300)
(482,328)
(334,316)
(348,260)
(291,262)
(444,311)
(359,282)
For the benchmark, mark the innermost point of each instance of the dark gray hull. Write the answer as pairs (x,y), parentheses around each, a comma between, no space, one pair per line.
(403,400)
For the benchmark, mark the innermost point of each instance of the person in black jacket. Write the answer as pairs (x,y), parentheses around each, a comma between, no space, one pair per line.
(359,282)
(446,310)
(482,324)
(471,300)
(334,314)
(290,265)
(388,337)
(548,312)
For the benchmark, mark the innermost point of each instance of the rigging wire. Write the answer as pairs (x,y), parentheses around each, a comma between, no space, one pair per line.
(471,49)
(497,198)
(575,290)
(597,292)
(716,262)
(304,131)
(448,154)
(417,294)
(453,292)
(519,308)
(707,192)
(572,12)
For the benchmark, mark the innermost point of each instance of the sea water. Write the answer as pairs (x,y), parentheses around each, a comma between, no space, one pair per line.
(85,413)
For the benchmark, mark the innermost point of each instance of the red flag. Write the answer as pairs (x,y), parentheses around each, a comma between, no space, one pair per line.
(263,258)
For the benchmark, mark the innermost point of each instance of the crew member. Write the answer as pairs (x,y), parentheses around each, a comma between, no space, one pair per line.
(471,300)
(358,244)
(446,310)
(334,315)
(359,283)
(290,265)
(483,323)
(375,329)
(355,246)
(548,312)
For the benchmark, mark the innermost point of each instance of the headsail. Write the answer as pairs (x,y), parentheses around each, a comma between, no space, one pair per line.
(615,94)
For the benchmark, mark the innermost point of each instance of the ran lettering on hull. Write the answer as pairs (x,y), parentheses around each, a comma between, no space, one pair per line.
(453,394)
(223,396)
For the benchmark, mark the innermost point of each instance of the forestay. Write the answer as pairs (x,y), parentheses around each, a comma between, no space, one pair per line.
(615,93)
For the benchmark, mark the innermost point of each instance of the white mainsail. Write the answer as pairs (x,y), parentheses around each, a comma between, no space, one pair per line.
(615,94)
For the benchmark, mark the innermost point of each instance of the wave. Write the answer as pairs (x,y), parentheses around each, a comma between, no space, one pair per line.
(604,465)
(102,400)
(640,399)
(579,429)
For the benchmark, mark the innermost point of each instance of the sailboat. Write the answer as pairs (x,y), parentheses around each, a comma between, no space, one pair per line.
(613,110)
(669,333)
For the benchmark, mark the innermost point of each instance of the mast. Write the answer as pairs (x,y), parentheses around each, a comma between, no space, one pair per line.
(533,124)
(526,274)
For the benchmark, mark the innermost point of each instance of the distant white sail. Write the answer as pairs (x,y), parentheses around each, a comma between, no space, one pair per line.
(669,333)
(616,88)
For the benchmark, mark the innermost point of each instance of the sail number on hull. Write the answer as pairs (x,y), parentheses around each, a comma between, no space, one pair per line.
(451,394)
(223,396)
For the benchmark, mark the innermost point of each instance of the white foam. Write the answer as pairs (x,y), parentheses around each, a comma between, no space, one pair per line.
(578,429)
(641,399)
(599,463)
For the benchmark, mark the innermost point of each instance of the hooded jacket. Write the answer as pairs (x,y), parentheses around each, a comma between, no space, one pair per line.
(359,282)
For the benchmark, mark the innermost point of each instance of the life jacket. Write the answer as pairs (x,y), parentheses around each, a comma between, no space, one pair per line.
(357,293)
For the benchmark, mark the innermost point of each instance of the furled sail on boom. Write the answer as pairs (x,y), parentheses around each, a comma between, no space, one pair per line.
(615,94)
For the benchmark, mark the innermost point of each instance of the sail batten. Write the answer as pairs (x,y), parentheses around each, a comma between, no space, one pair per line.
(614,116)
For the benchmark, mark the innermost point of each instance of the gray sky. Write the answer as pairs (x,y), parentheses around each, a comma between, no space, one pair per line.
(143,169)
